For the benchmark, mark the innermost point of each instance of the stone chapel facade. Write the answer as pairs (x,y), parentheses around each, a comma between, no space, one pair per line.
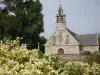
(64,41)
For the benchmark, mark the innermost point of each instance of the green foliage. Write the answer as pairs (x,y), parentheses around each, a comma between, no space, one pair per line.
(86,53)
(90,59)
(42,41)
(99,43)
(79,68)
(27,21)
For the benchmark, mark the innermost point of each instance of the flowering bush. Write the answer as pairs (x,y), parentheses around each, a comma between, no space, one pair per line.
(17,60)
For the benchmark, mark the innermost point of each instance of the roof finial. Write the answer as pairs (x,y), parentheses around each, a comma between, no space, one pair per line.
(60,7)
(60,3)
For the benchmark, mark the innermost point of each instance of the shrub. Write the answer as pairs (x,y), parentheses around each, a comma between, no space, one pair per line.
(17,60)
(93,58)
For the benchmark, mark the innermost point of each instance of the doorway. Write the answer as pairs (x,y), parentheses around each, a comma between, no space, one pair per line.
(60,51)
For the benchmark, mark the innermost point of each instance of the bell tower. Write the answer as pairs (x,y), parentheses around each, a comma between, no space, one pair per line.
(60,19)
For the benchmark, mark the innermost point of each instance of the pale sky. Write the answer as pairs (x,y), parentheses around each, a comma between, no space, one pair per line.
(82,16)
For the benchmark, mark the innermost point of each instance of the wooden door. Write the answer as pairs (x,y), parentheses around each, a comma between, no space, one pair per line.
(60,51)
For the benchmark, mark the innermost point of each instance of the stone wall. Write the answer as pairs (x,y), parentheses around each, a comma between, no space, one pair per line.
(91,49)
(62,39)
(72,57)
(70,49)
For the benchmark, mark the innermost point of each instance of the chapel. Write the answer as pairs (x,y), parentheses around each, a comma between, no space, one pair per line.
(64,41)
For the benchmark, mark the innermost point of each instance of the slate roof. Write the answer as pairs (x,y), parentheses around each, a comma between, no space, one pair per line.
(71,32)
(85,39)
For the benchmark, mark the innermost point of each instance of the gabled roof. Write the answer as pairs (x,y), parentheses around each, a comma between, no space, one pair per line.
(85,39)
(71,32)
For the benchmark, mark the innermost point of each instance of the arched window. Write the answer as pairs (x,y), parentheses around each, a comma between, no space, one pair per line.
(60,51)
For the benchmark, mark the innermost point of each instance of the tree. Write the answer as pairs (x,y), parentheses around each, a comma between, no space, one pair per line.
(42,41)
(26,21)
(99,43)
